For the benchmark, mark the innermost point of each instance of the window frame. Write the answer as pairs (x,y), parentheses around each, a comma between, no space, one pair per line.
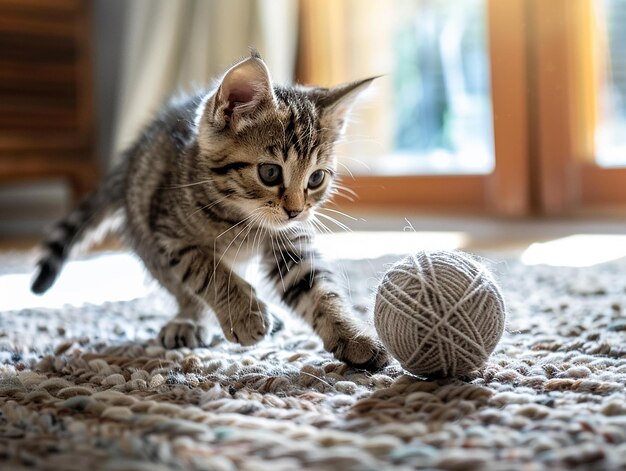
(503,192)
(562,47)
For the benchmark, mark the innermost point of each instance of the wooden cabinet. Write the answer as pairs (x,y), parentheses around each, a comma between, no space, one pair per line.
(46,99)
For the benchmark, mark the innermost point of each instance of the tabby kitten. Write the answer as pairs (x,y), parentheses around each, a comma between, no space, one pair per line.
(216,179)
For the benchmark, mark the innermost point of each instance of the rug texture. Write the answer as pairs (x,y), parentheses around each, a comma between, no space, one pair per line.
(87,388)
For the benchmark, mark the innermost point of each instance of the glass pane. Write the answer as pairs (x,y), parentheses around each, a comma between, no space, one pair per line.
(432,113)
(611,126)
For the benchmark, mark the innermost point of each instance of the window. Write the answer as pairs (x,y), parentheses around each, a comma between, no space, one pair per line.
(440,92)
(512,107)
(431,112)
(610,135)
(446,129)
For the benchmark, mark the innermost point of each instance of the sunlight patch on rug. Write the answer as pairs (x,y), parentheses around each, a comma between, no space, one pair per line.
(364,244)
(115,277)
(580,250)
(105,278)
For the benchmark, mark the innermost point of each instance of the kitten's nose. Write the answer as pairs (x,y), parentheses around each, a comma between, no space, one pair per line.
(292,213)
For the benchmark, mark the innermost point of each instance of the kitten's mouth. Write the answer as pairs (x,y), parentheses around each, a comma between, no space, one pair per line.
(287,222)
(299,218)
(276,218)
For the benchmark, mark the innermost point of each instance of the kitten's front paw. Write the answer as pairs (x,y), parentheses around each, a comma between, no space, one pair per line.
(361,351)
(248,327)
(183,333)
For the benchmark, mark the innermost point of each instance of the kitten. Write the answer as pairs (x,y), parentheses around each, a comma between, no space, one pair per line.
(216,179)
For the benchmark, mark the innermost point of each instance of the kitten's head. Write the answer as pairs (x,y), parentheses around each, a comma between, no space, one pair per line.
(268,148)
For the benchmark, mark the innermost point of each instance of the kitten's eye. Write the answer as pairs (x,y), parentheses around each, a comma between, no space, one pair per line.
(316,178)
(270,174)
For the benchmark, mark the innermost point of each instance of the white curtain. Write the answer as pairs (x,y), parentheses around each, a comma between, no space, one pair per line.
(173,45)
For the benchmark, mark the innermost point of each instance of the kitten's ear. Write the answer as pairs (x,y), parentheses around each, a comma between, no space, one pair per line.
(336,102)
(245,86)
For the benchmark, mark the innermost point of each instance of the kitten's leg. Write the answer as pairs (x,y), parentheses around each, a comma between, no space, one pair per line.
(309,287)
(243,317)
(187,328)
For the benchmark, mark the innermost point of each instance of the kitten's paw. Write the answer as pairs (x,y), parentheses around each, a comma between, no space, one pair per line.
(183,333)
(249,327)
(361,351)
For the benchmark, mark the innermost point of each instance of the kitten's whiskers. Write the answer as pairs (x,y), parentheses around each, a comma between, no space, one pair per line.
(319,226)
(339,186)
(187,185)
(249,226)
(333,220)
(347,169)
(251,218)
(280,272)
(240,222)
(339,194)
(208,206)
(339,212)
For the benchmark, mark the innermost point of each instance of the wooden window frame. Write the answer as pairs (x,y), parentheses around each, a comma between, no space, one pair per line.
(503,192)
(543,86)
(565,112)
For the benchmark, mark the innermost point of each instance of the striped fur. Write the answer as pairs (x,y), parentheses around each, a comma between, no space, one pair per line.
(196,203)
(90,213)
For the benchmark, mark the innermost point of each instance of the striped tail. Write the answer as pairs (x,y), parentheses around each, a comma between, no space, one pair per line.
(89,214)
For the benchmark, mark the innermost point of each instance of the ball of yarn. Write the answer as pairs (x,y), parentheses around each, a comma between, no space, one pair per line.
(439,313)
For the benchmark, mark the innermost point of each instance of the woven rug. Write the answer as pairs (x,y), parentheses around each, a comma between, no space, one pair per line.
(87,388)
